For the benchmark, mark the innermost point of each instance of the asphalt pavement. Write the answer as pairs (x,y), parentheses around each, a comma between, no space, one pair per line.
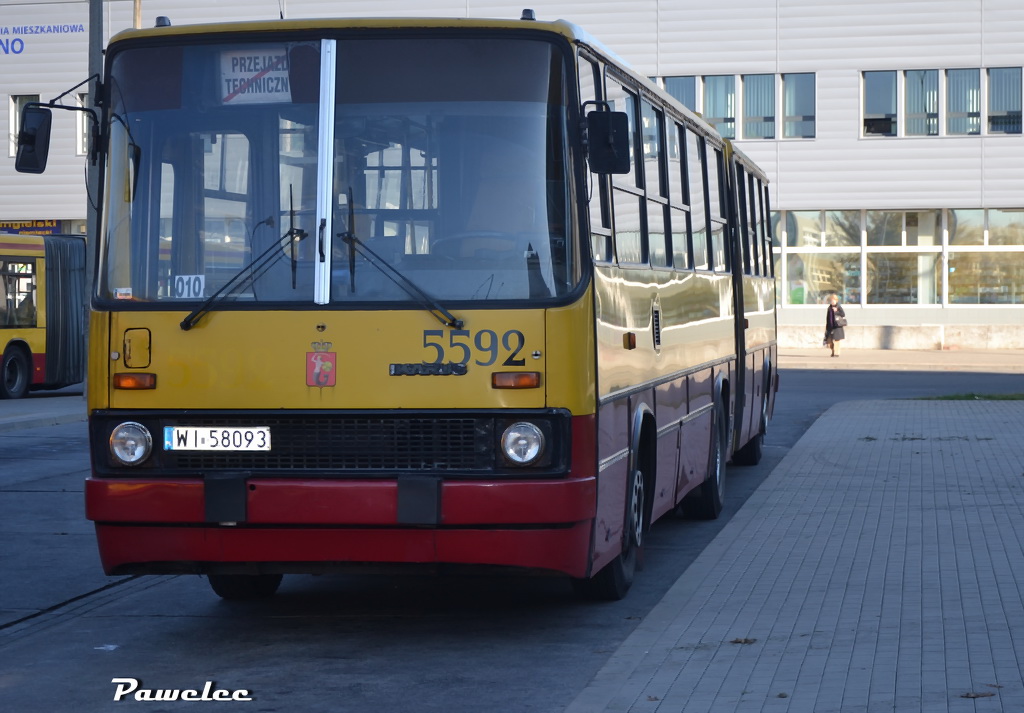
(880,567)
(43,408)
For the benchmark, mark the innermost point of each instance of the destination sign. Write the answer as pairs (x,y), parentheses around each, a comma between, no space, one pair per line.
(254,76)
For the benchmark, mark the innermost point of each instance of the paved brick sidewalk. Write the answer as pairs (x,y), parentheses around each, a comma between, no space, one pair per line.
(880,567)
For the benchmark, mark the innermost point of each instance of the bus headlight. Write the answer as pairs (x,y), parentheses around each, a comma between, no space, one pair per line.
(522,443)
(130,443)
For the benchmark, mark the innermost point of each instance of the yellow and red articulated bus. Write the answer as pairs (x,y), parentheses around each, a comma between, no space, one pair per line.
(434,292)
(42,312)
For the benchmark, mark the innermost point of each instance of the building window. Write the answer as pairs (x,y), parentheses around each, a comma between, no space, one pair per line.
(904,228)
(720,104)
(922,228)
(963,101)
(803,228)
(1004,100)
(1005,227)
(904,278)
(798,106)
(986,278)
(921,92)
(884,228)
(966,227)
(813,276)
(777,230)
(757,103)
(879,103)
(683,90)
(842,228)
(759,106)
(18,103)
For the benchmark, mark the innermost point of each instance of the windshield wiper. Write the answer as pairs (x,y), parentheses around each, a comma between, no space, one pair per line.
(248,273)
(430,304)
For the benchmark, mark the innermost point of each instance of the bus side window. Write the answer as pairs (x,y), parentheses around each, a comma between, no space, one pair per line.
(744,228)
(695,194)
(626,187)
(5,310)
(752,231)
(622,99)
(26,314)
(719,253)
(679,217)
(17,294)
(597,184)
(652,125)
(764,227)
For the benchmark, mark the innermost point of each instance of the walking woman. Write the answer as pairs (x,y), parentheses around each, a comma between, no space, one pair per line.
(835,320)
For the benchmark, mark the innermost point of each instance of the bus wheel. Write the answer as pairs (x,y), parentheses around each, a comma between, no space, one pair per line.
(705,502)
(613,582)
(244,586)
(15,375)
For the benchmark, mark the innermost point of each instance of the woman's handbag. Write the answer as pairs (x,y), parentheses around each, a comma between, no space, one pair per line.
(840,321)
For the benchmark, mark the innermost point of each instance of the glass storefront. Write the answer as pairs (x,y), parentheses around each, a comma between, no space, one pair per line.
(891,257)
(986,278)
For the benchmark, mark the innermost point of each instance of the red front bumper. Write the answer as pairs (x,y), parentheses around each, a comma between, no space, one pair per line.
(159,526)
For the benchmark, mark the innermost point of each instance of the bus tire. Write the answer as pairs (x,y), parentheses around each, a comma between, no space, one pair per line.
(705,502)
(15,373)
(244,586)
(613,582)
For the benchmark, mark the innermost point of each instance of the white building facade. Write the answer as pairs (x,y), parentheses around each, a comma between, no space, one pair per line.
(891,132)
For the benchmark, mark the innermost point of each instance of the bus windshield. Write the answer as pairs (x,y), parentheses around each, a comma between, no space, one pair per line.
(299,171)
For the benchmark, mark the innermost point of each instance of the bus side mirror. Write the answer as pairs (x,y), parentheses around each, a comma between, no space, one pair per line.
(608,141)
(33,139)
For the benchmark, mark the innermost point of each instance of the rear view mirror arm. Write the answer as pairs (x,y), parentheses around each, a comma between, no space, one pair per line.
(28,138)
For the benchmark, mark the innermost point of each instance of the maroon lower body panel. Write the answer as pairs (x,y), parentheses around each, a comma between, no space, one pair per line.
(159,525)
(137,548)
(38,368)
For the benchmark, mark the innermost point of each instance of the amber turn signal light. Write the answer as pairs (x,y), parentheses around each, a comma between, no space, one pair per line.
(135,381)
(515,380)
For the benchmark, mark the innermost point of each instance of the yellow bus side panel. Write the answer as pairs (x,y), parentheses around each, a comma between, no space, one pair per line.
(571,381)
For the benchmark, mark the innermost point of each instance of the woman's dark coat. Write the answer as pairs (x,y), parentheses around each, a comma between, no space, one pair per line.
(831,330)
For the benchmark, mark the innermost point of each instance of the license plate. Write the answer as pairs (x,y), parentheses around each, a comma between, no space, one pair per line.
(185,438)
